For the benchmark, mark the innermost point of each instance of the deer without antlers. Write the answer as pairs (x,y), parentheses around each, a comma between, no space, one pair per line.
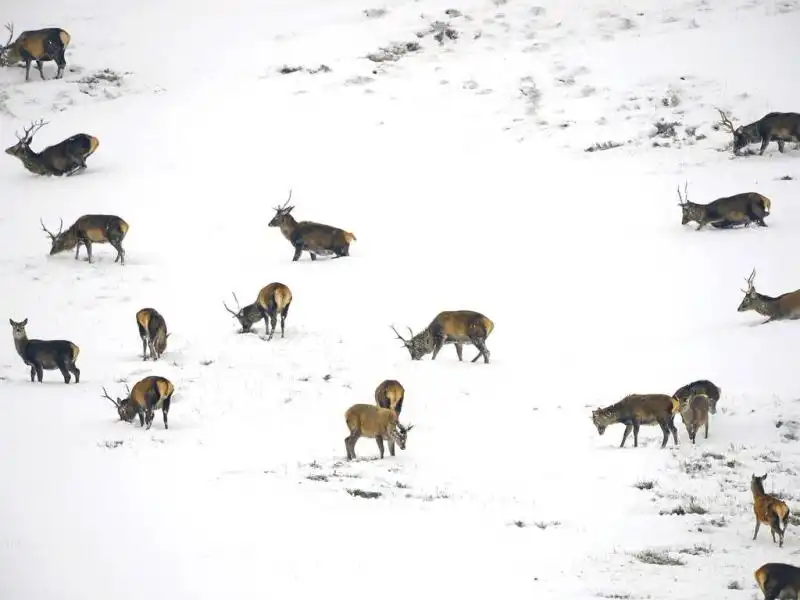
(67,157)
(725,212)
(783,307)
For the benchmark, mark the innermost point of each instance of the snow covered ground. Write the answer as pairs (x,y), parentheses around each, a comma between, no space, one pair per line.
(462,169)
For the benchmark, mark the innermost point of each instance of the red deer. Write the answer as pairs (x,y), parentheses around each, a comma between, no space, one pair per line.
(49,355)
(88,230)
(315,238)
(701,386)
(367,420)
(726,212)
(457,327)
(694,413)
(390,394)
(67,157)
(40,45)
(778,580)
(783,307)
(148,395)
(775,126)
(152,331)
(273,299)
(768,510)
(640,409)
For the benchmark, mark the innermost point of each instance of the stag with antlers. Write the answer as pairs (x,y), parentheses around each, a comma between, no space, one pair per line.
(39,45)
(457,327)
(315,238)
(775,126)
(783,307)
(726,212)
(148,395)
(88,230)
(64,158)
(272,299)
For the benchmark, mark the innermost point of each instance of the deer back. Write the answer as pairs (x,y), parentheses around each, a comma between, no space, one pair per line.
(390,394)
(39,44)
(320,236)
(777,577)
(649,408)
(783,126)
(462,324)
(274,297)
(151,392)
(694,411)
(61,157)
(370,420)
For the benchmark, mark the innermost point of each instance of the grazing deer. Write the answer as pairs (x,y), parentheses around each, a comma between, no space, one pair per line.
(148,395)
(88,230)
(314,238)
(457,327)
(40,45)
(153,331)
(67,157)
(273,299)
(694,413)
(42,355)
(774,126)
(366,420)
(701,386)
(390,394)
(769,510)
(778,580)
(784,307)
(640,409)
(726,212)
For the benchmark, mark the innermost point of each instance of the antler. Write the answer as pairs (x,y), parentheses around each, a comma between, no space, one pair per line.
(32,130)
(105,395)
(685,198)
(286,204)
(238,306)
(399,337)
(10,27)
(725,121)
(48,232)
(750,281)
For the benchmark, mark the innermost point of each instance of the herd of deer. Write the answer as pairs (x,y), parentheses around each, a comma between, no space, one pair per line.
(694,401)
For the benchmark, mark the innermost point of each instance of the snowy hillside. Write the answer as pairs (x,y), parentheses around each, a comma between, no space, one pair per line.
(461,166)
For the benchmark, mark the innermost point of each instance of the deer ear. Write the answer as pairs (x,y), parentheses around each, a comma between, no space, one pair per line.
(25,322)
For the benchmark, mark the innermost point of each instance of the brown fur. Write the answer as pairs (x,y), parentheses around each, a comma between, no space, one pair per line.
(726,212)
(457,327)
(149,394)
(701,386)
(153,332)
(368,420)
(640,409)
(776,579)
(67,157)
(274,299)
(45,355)
(694,413)
(768,510)
(88,230)
(786,306)
(390,394)
(40,46)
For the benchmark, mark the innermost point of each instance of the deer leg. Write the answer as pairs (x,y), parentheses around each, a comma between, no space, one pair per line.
(628,429)
(153,353)
(117,245)
(283,317)
(481,346)
(298,249)
(64,372)
(758,526)
(274,320)
(140,412)
(665,431)
(88,245)
(390,441)
(27,69)
(379,441)
(40,66)
(75,371)
(165,410)
(313,256)
(39,373)
(33,373)
(706,428)
(77,249)
(144,347)
(781,144)
(459,351)
(764,143)
(350,444)
(636,434)
(61,61)
(438,342)
(265,316)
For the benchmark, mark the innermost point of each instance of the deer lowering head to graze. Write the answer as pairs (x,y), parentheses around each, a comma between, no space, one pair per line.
(775,126)
(88,230)
(390,394)
(783,307)
(769,510)
(41,355)
(370,421)
(640,409)
(694,413)
(39,45)
(778,581)
(148,395)
(314,238)
(457,327)
(272,300)
(701,386)
(726,212)
(67,157)
(152,331)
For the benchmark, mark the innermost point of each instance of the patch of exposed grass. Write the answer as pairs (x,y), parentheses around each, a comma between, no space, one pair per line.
(659,557)
(696,550)
(359,493)
(644,485)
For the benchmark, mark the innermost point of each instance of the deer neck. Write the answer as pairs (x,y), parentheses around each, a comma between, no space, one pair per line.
(766,305)
(20,345)
(757,488)
(424,340)
(31,161)
(288,225)
(609,415)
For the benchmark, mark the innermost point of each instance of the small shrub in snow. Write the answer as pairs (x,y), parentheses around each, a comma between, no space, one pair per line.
(659,557)
(375,13)
(532,94)
(598,146)
(734,585)
(546,524)
(453,12)
(696,550)
(317,477)
(786,178)
(664,129)
(394,52)
(644,485)
(359,493)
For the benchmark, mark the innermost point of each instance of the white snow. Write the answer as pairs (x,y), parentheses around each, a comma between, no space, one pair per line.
(461,170)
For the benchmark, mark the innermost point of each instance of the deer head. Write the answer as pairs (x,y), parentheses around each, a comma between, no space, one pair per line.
(23,145)
(123,406)
(281,212)
(750,294)
(247,316)
(740,136)
(415,344)
(690,210)
(8,52)
(63,240)
(399,434)
(18,329)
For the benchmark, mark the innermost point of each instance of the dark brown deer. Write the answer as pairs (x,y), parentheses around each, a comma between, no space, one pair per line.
(367,420)
(152,331)
(40,45)
(726,212)
(768,510)
(701,386)
(41,355)
(64,158)
(778,580)
(457,327)
(635,410)
(148,395)
(784,307)
(88,230)
(775,126)
(694,413)
(315,238)
(390,394)
(273,299)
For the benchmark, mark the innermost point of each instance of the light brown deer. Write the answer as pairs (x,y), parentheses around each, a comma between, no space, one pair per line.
(768,510)
(368,420)
(783,307)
